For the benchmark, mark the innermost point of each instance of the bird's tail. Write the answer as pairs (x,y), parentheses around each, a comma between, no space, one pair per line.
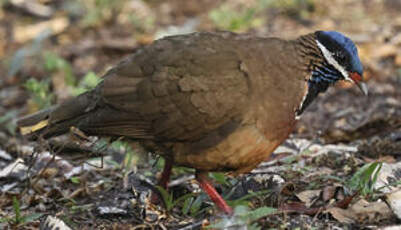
(58,119)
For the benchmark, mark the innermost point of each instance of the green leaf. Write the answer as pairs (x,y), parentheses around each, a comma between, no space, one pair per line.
(364,179)
(40,92)
(184,198)
(229,17)
(259,213)
(17,210)
(187,205)
(31,217)
(53,63)
(7,121)
(99,11)
(75,180)
(219,178)
(196,205)
(244,199)
(243,218)
(88,82)
(4,219)
(168,198)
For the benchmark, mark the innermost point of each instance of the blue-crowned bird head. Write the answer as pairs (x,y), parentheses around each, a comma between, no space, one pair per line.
(342,55)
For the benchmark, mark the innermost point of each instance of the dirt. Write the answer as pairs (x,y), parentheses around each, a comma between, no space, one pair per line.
(338,134)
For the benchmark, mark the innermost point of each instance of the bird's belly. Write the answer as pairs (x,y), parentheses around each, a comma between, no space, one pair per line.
(239,152)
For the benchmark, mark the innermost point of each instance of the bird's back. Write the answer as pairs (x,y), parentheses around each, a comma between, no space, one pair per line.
(215,101)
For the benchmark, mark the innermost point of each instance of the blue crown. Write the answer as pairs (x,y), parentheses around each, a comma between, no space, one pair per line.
(349,46)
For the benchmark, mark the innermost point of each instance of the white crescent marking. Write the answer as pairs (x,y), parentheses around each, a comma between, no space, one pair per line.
(330,59)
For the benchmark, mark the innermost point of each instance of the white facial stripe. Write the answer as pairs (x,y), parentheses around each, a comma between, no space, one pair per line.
(329,57)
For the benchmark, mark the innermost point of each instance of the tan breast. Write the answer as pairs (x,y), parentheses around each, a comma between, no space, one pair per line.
(240,152)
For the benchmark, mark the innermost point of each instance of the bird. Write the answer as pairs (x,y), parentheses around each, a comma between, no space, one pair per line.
(212,101)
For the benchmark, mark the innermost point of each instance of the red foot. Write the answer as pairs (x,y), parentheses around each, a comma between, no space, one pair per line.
(164,179)
(213,194)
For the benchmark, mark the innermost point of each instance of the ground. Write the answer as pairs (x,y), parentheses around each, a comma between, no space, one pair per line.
(339,168)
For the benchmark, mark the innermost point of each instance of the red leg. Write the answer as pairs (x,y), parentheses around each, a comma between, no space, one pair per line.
(164,179)
(213,194)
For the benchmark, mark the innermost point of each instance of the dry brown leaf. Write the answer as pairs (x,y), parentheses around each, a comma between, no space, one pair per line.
(342,215)
(387,175)
(394,200)
(362,211)
(25,33)
(385,159)
(299,207)
(374,211)
(33,7)
(309,196)
(328,193)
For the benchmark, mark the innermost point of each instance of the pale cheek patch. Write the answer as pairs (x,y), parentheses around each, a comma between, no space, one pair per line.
(330,59)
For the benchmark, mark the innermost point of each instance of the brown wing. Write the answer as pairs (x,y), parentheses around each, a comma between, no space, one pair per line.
(178,88)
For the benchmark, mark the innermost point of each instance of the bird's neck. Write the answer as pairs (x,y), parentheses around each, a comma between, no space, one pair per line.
(318,73)
(309,55)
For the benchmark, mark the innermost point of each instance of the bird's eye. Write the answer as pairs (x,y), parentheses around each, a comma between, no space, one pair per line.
(340,56)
